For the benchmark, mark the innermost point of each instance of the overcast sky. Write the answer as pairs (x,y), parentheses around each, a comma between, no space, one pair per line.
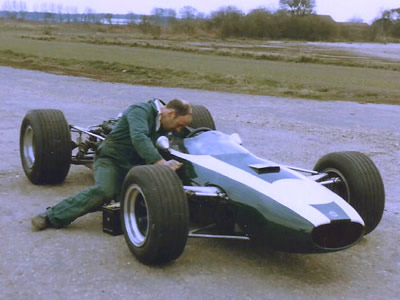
(340,10)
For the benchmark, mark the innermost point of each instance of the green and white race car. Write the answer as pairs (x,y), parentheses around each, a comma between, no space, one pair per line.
(222,190)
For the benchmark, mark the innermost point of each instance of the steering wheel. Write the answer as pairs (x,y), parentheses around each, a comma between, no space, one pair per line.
(196,131)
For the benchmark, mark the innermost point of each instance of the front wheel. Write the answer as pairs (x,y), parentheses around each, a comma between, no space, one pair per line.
(154,214)
(360,184)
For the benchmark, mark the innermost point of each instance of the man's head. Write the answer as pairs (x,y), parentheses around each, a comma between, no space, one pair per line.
(176,115)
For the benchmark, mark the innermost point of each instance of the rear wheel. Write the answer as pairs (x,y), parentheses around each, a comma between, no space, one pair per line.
(154,214)
(360,184)
(45,146)
(197,131)
(202,117)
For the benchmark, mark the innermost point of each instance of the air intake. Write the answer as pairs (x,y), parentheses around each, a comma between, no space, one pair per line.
(337,235)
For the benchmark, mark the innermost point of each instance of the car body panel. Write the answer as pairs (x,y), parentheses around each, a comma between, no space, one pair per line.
(275,203)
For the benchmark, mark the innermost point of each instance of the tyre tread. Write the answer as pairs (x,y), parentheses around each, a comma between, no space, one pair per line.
(202,117)
(367,194)
(170,210)
(52,140)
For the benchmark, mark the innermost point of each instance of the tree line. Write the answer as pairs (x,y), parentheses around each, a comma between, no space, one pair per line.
(295,19)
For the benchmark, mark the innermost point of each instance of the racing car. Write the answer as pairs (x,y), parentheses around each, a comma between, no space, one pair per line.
(222,190)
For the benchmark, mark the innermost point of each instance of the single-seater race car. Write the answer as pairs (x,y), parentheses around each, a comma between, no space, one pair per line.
(222,190)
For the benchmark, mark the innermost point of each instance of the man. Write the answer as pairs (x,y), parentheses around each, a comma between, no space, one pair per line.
(130,143)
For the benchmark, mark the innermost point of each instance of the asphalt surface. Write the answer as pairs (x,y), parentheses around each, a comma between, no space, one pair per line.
(83,262)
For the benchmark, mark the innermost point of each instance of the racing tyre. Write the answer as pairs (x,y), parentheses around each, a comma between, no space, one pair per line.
(154,214)
(360,184)
(45,146)
(202,117)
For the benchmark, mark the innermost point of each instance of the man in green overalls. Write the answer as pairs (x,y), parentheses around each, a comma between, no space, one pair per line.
(130,143)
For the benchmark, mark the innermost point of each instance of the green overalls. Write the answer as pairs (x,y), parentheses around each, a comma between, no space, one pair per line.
(130,143)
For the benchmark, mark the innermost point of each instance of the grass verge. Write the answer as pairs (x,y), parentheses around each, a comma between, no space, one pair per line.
(122,58)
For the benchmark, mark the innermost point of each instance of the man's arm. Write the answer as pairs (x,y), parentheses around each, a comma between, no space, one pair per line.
(140,134)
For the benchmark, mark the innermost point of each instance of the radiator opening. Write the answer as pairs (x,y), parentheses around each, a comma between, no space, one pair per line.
(337,234)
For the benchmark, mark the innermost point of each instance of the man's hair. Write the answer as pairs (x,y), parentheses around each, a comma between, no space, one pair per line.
(181,107)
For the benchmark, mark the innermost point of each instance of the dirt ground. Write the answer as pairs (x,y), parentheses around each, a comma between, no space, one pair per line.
(83,262)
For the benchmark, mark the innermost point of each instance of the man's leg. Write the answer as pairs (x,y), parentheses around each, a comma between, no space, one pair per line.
(108,180)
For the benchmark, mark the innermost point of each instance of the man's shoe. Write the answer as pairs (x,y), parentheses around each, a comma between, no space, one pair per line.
(41,221)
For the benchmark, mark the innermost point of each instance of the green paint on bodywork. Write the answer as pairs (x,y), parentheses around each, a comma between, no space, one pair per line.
(260,216)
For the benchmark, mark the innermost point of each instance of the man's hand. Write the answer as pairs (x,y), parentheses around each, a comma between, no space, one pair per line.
(172,164)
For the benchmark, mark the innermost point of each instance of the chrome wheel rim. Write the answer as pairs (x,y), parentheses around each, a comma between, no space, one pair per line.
(28,147)
(136,215)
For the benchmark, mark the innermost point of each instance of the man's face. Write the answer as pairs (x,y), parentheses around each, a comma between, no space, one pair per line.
(175,123)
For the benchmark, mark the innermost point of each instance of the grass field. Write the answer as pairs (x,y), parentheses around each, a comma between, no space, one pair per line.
(122,55)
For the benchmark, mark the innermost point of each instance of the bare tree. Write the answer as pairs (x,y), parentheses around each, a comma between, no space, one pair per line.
(89,16)
(53,11)
(170,13)
(10,7)
(44,7)
(388,24)
(132,19)
(157,15)
(73,12)
(67,14)
(163,15)
(108,18)
(298,7)
(227,21)
(188,12)
(60,13)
